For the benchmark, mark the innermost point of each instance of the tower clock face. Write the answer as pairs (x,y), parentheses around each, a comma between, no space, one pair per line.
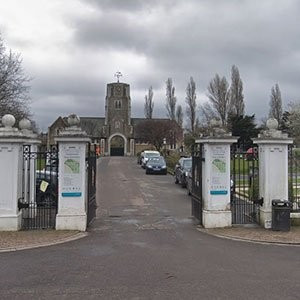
(118,90)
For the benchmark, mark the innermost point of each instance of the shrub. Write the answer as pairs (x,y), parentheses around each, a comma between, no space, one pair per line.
(172,160)
(254,189)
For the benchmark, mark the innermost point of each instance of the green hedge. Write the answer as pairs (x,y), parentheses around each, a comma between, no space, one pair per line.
(171,161)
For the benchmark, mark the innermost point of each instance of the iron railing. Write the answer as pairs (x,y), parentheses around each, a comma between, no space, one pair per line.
(196,193)
(91,161)
(244,185)
(40,188)
(294,178)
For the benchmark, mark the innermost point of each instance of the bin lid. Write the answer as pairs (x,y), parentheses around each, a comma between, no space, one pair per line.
(279,202)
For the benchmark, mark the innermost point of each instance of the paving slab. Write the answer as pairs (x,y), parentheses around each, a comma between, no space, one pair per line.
(257,234)
(20,240)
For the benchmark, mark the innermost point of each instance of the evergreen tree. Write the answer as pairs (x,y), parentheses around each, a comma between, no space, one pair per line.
(244,127)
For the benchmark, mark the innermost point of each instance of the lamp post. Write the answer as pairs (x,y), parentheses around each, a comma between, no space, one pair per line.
(165,145)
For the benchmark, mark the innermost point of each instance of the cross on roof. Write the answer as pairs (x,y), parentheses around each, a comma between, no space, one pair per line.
(118,75)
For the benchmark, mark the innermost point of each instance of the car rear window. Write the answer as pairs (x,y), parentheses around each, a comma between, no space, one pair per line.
(157,159)
(152,154)
(187,164)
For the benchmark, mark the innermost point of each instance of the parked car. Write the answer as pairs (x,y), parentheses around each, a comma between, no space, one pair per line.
(156,165)
(146,155)
(232,187)
(46,188)
(182,168)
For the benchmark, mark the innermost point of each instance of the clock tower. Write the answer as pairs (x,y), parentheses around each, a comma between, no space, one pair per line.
(118,129)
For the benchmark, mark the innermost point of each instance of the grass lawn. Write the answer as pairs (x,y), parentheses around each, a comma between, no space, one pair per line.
(242,166)
(40,163)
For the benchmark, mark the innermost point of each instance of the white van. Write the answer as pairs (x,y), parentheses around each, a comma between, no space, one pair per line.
(145,156)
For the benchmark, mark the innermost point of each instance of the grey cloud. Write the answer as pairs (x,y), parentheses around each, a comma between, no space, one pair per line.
(179,39)
(196,43)
(47,109)
(61,93)
(128,5)
(68,84)
(112,31)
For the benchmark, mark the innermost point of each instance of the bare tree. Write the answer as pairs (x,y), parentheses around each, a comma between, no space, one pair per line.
(179,115)
(295,121)
(90,125)
(155,131)
(237,105)
(218,95)
(149,104)
(275,103)
(191,103)
(14,88)
(207,113)
(291,121)
(170,99)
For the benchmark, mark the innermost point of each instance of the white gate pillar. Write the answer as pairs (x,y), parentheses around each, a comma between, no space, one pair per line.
(11,143)
(273,168)
(216,181)
(72,188)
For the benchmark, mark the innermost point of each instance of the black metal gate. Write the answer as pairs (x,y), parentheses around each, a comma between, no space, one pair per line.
(294,178)
(91,160)
(116,151)
(196,194)
(245,200)
(40,188)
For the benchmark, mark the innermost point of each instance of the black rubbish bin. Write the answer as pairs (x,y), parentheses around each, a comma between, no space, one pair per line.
(281,210)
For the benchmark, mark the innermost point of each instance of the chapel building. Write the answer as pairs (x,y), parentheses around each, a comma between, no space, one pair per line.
(115,133)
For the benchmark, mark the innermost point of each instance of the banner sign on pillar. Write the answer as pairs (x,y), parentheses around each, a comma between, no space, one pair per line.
(218,178)
(72,172)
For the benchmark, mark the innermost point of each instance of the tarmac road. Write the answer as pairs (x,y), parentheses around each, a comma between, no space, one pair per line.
(144,245)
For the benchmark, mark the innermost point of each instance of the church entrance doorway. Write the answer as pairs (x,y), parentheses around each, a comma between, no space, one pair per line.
(117,146)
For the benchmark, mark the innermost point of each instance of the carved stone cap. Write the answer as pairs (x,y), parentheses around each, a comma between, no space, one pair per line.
(218,130)
(73,120)
(73,129)
(14,134)
(272,131)
(26,128)
(217,140)
(8,121)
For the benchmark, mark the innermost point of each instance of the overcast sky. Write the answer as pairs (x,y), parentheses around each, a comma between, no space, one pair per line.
(72,48)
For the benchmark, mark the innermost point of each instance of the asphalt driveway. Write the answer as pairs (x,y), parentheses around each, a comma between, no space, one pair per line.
(144,245)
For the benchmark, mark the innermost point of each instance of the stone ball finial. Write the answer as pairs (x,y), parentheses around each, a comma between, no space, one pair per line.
(73,120)
(272,124)
(8,121)
(25,124)
(215,123)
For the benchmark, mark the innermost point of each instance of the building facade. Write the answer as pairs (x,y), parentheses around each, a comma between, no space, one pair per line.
(115,133)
